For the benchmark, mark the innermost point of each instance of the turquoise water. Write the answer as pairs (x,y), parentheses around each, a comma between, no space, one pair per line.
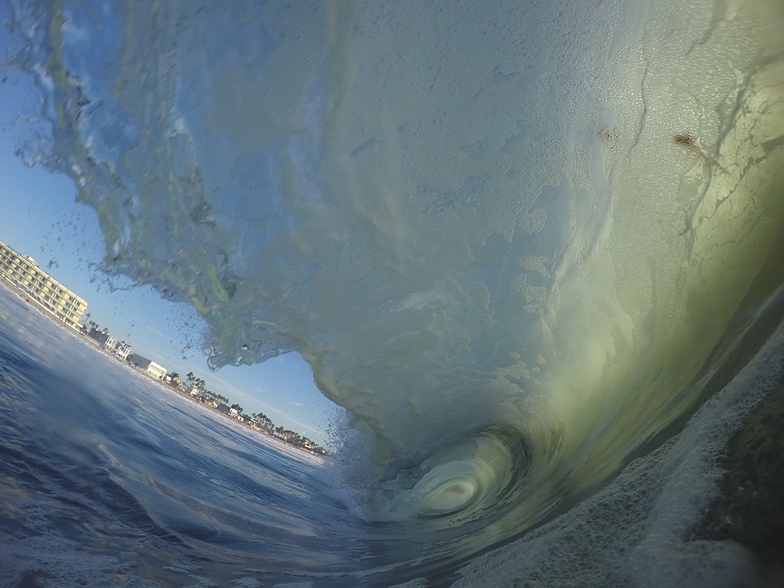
(521,245)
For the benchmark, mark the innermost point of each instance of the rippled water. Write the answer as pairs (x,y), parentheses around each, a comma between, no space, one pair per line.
(107,476)
(520,244)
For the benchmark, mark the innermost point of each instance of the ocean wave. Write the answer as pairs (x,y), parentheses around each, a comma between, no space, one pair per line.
(517,244)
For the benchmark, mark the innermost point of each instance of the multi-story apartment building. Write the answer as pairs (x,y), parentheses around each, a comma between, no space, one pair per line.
(24,273)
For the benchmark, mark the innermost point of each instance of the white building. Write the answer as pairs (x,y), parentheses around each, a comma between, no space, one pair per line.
(110,343)
(156,371)
(150,368)
(122,350)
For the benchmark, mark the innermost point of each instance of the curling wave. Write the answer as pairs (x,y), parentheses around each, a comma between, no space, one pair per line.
(472,475)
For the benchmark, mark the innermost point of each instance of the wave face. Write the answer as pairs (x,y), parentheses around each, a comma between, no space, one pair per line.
(515,244)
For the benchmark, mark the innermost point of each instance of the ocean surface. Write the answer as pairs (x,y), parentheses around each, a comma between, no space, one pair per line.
(532,248)
(109,479)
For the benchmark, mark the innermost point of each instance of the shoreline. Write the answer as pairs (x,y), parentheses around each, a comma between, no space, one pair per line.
(212,409)
(93,344)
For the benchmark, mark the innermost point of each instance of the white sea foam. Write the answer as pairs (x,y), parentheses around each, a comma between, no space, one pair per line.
(639,530)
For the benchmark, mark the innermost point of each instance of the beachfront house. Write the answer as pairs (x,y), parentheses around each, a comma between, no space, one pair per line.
(148,366)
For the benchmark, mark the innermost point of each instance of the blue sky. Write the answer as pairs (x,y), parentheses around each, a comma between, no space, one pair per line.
(42,219)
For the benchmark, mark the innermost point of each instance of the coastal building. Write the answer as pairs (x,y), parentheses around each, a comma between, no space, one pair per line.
(23,272)
(119,348)
(148,366)
(155,371)
(122,350)
(103,339)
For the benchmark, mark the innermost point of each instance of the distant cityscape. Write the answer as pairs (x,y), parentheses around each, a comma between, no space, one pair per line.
(61,304)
